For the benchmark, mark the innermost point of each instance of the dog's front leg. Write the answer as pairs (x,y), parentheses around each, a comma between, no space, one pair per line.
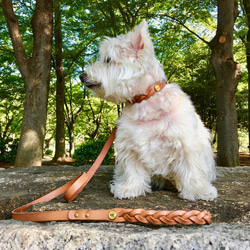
(194,185)
(131,179)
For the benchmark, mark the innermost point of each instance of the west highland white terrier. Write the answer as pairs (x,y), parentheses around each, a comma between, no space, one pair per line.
(159,135)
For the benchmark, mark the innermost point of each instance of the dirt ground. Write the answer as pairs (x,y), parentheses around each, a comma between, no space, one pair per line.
(67,161)
(244,161)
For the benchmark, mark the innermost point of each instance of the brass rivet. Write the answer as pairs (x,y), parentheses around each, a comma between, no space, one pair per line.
(112,215)
(87,215)
(157,87)
(76,215)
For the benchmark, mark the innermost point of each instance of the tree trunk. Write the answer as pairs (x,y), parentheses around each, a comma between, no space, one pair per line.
(60,152)
(96,120)
(71,138)
(70,122)
(227,75)
(246,4)
(36,74)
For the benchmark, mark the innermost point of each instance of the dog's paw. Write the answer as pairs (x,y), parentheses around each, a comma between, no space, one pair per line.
(125,192)
(187,196)
(207,194)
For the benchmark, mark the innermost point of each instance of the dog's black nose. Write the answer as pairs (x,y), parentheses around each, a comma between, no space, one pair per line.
(83,77)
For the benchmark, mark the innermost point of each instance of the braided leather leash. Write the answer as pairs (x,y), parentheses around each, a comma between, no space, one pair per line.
(75,186)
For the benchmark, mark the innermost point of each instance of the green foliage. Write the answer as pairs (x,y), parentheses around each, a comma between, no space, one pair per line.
(242,105)
(8,150)
(11,87)
(48,152)
(185,60)
(88,152)
(197,79)
(95,109)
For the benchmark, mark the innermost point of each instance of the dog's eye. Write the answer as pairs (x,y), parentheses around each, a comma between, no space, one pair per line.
(108,59)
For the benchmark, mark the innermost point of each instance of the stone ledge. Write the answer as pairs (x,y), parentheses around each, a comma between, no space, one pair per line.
(230,213)
(22,185)
(72,235)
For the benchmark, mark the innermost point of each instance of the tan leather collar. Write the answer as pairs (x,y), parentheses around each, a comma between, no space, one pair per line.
(150,91)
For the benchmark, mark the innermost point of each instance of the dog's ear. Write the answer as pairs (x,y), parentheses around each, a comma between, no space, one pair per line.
(140,37)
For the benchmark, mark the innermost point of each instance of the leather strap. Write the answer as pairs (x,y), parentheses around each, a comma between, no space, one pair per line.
(71,190)
(150,91)
(74,187)
(83,179)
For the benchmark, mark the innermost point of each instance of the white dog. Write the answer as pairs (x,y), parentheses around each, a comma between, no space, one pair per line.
(159,134)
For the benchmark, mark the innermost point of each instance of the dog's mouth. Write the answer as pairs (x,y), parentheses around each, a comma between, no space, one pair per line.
(84,78)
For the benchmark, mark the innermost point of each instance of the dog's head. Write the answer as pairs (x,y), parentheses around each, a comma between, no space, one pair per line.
(126,66)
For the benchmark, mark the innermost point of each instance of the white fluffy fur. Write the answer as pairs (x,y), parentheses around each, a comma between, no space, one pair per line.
(162,136)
